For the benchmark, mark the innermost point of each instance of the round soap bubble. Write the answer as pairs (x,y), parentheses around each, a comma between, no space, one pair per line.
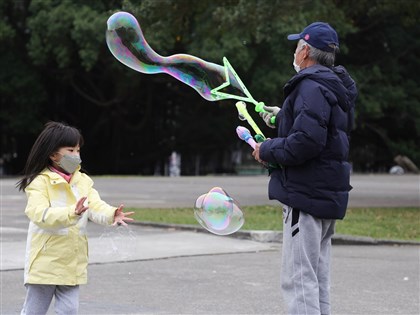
(218,213)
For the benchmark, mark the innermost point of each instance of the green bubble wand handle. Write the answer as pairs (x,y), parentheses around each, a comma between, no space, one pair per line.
(259,108)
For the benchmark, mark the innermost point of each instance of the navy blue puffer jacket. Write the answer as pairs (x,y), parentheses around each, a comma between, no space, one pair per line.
(313,142)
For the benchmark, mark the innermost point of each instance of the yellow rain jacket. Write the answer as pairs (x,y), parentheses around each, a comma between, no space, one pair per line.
(57,246)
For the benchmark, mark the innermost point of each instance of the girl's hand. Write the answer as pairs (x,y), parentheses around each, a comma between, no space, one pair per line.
(80,208)
(121,217)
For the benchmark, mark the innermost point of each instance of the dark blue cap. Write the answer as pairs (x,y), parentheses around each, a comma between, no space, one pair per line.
(319,35)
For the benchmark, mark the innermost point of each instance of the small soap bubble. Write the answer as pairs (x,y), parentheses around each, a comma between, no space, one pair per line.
(218,213)
(241,117)
(121,241)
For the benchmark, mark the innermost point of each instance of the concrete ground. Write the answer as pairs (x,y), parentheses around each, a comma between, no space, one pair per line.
(149,270)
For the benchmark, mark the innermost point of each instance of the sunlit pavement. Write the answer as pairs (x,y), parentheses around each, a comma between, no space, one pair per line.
(145,270)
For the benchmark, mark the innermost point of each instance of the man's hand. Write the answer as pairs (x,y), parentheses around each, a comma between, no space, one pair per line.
(256,155)
(256,152)
(269,111)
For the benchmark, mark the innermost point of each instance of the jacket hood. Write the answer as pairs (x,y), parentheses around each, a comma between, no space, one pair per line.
(336,79)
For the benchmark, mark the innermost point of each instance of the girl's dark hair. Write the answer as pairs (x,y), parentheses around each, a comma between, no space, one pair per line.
(55,135)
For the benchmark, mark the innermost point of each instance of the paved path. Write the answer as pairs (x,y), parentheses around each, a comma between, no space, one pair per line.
(144,270)
(156,271)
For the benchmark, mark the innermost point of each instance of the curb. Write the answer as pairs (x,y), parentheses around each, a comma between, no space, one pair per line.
(269,236)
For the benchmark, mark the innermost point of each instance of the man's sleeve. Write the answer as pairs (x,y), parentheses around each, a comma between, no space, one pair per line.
(307,136)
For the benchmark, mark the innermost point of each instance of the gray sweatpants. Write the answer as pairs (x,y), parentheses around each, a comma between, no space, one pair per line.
(39,297)
(305,274)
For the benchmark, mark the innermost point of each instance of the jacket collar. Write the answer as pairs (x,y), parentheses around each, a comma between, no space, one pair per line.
(326,77)
(55,178)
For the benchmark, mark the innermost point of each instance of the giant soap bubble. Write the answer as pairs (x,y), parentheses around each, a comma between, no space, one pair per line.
(218,213)
(126,42)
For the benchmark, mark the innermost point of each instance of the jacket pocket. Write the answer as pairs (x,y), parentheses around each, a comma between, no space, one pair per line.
(39,246)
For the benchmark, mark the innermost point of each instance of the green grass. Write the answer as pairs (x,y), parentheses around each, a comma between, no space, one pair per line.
(382,223)
(379,223)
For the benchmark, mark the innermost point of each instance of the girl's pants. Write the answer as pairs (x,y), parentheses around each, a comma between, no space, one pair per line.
(39,296)
(305,274)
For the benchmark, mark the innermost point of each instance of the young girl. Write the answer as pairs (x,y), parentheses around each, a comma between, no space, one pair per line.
(61,199)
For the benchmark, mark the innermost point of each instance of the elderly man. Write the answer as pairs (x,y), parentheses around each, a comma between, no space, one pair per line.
(313,178)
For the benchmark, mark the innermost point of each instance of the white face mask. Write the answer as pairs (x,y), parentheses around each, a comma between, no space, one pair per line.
(69,163)
(295,65)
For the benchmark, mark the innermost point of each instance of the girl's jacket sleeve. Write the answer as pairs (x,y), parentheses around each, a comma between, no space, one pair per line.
(99,211)
(40,211)
(52,202)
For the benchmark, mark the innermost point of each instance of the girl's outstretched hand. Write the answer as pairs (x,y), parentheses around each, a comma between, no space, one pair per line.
(121,217)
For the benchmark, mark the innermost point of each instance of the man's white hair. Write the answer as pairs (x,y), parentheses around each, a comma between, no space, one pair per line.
(321,57)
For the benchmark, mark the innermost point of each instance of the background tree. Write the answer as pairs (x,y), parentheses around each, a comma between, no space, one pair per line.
(384,61)
(56,66)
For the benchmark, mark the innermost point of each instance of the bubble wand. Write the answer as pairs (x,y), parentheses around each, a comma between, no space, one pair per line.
(259,106)
(244,115)
(245,135)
